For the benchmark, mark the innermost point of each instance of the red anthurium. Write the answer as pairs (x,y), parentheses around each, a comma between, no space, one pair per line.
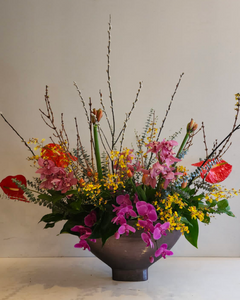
(56,153)
(217,173)
(11,189)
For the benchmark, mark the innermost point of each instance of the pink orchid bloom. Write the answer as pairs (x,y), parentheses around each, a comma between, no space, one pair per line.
(156,170)
(163,251)
(169,177)
(119,220)
(125,228)
(151,259)
(48,167)
(154,147)
(146,237)
(90,219)
(82,244)
(123,200)
(146,210)
(135,198)
(159,230)
(128,211)
(147,225)
(83,231)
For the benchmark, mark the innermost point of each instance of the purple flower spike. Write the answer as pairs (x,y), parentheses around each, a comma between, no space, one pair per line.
(83,244)
(163,251)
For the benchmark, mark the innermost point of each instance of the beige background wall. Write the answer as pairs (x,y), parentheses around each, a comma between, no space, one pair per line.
(56,42)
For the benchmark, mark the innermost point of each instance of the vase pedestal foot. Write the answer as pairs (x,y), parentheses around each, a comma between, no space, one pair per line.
(130,275)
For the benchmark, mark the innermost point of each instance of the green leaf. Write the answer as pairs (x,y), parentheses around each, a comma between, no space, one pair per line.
(49,225)
(192,236)
(185,221)
(52,218)
(68,225)
(141,193)
(223,204)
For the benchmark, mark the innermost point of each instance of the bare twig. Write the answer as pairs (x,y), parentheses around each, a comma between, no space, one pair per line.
(169,106)
(204,139)
(83,102)
(25,143)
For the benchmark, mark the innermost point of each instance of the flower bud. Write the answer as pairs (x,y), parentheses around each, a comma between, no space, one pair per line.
(184,184)
(99,114)
(191,126)
(93,119)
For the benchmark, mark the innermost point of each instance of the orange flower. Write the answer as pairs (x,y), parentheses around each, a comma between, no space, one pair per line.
(56,153)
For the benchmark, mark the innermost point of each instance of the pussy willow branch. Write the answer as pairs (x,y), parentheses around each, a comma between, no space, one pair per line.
(109,80)
(25,143)
(91,135)
(169,106)
(167,111)
(122,132)
(227,140)
(204,139)
(82,100)
(100,132)
(104,111)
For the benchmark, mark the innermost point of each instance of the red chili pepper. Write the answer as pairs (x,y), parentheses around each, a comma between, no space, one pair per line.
(11,189)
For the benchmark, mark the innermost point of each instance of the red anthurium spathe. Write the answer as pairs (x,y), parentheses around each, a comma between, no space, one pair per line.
(56,153)
(219,172)
(11,189)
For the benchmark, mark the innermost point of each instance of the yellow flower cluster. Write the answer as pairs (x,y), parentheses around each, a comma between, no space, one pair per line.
(152,132)
(166,214)
(113,182)
(92,191)
(219,193)
(38,145)
(196,213)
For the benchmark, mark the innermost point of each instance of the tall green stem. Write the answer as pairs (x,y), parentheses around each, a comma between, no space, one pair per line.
(97,152)
(183,144)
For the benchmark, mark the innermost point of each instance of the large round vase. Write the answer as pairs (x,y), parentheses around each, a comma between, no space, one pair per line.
(128,256)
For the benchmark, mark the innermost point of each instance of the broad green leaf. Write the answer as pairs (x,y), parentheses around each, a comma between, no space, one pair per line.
(52,218)
(192,236)
(49,225)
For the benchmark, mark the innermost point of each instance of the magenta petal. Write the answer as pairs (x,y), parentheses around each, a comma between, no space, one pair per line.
(151,259)
(156,234)
(152,215)
(145,237)
(158,252)
(117,235)
(122,229)
(142,210)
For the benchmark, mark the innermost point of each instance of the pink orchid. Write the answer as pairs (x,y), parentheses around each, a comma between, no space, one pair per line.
(154,147)
(159,230)
(163,251)
(151,259)
(147,225)
(48,167)
(146,237)
(125,228)
(119,220)
(123,200)
(82,244)
(90,219)
(83,231)
(146,210)
(156,170)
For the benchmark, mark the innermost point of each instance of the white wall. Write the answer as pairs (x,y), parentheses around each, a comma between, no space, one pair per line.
(56,42)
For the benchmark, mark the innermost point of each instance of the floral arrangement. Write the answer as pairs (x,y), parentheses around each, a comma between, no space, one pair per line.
(97,195)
